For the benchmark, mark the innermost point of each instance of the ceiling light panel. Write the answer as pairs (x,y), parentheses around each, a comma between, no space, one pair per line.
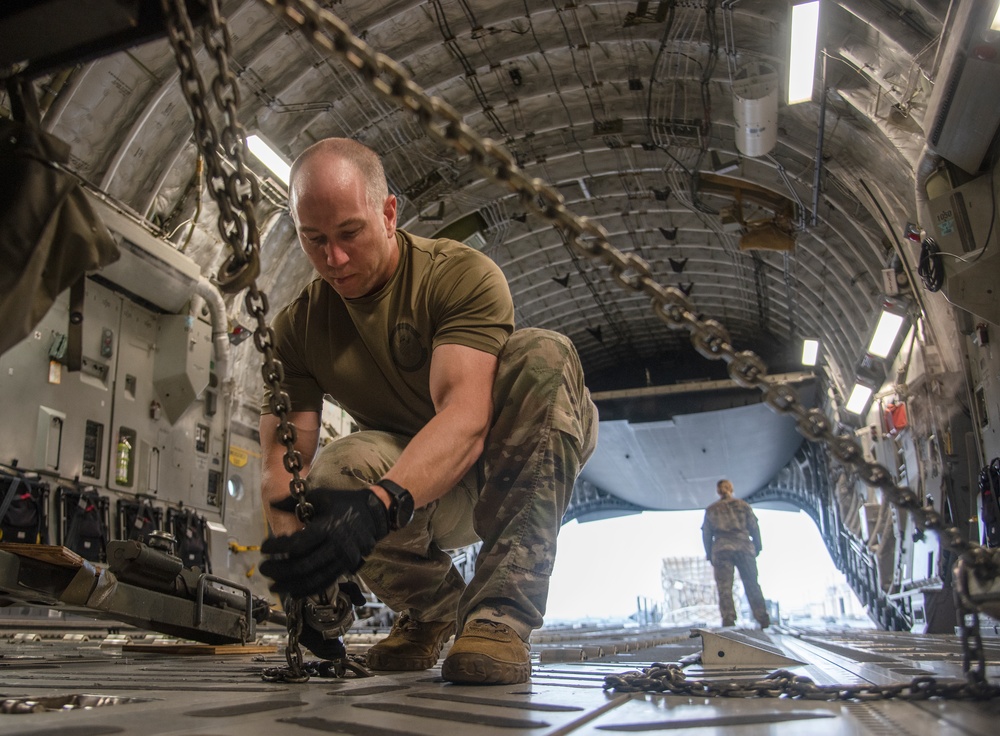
(810,351)
(859,399)
(269,157)
(802,58)
(885,335)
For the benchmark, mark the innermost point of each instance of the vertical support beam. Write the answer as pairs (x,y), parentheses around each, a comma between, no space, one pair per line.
(814,220)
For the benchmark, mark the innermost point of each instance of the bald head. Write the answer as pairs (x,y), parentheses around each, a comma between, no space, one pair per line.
(344,216)
(338,157)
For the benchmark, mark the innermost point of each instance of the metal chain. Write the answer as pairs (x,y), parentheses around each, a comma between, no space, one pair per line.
(670,678)
(973,654)
(710,338)
(352,663)
(236,195)
(294,672)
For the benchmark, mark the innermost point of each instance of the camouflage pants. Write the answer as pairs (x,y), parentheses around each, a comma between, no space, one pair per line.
(513,499)
(723,561)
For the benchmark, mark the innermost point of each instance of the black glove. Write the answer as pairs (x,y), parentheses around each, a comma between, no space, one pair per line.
(343,530)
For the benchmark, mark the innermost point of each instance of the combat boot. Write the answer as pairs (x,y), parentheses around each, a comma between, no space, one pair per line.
(487,653)
(411,645)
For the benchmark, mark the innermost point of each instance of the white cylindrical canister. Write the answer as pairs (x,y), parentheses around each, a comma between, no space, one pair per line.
(755,108)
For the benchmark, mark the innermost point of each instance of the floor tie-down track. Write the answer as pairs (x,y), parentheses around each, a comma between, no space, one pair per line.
(93,683)
(166,693)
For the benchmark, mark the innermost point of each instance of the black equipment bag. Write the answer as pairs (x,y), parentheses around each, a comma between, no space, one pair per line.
(23,504)
(989,497)
(191,532)
(137,519)
(85,524)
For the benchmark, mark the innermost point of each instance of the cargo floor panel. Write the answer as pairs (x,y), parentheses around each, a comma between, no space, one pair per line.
(59,684)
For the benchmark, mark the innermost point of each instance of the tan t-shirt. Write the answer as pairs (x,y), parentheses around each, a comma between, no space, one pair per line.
(372,355)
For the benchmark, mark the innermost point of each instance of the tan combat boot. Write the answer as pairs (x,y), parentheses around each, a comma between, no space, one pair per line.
(411,645)
(487,653)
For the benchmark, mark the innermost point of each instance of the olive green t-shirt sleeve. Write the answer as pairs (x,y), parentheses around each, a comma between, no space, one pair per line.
(473,303)
(303,391)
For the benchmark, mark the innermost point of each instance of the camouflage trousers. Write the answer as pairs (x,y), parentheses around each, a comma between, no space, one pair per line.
(723,562)
(513,499)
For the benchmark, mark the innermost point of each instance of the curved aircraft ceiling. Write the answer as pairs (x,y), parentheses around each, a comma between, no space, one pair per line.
(626,107)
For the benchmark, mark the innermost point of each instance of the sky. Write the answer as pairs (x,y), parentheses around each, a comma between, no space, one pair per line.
(602,566)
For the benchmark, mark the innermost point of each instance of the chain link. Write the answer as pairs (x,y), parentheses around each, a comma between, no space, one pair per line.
(670,678)
(236,195)
(352,664)
(973,653)
(295,672)
(298,671)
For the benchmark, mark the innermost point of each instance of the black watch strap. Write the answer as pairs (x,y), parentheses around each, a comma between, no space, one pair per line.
(400,503)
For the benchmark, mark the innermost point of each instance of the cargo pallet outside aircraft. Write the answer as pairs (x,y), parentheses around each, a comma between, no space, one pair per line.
(131,405)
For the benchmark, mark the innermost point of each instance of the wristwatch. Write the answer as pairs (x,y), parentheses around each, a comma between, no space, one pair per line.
(400,503)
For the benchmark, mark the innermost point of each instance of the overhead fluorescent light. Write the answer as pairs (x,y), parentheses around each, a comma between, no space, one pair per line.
(995,25)
(269,157)
(859,399)
(802,59)
(886,332)
(810,351)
